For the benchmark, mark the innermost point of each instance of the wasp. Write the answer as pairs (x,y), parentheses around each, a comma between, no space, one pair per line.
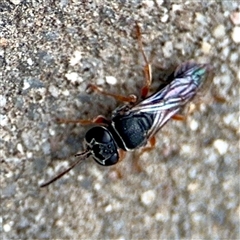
(134,124)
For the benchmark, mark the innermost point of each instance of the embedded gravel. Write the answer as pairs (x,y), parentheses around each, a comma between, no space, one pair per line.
(50,51)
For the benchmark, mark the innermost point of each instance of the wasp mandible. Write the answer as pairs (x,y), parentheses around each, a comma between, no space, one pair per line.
(133,124)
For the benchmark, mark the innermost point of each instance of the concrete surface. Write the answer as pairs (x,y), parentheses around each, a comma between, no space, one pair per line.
(49,52)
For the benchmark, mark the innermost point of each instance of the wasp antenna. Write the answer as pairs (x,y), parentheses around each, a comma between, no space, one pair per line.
(83,155)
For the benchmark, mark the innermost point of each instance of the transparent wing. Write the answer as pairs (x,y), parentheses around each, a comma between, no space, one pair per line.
(165,103)
(187,79)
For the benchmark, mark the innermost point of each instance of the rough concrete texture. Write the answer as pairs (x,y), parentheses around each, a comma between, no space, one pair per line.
(50,51)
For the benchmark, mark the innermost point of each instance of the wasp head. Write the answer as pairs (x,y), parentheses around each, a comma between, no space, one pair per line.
(101,144)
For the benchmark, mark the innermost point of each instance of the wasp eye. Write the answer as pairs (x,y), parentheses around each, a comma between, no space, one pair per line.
(102,144)
(99,134)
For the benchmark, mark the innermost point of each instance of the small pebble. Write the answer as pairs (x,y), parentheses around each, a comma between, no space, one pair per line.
(193,125)
(231,119)
(167,49)
(219,31)
(200,18)
(60,223)
(97,186)
(197,217)
(235,18)
(73,77)
(148,3)
(186,149)
(162,216)
(65,92)
(3,42)
(100,81)
(54,91)
(234,57)
(6,228)
(192,187)
(148,197)
(26,84)
(176,7)
(20,148)
(236,34)
(3,101)
(225,52)
(77,56)
(192,172)
(212,157)
(3,120)
(29,61)
(159,2)
(164,18)
(111,80)
(52,131)
(63,3)
(206,47)
(221,146)
(16,2)
(121,238)
(108,208)
(2,53)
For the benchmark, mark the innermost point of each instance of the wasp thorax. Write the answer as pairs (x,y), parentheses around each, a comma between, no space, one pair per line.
(101,143)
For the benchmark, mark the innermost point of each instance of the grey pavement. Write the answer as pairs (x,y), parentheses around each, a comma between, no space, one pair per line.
(188,186)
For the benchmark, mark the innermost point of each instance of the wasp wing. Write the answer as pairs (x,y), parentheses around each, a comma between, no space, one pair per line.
(165,103)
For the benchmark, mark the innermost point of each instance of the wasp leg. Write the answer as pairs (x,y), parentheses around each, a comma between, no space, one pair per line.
(116,172)
(152,143)
(136,165)
(122,155)
(130,99)
(178,117)
(99,120)
(147,68)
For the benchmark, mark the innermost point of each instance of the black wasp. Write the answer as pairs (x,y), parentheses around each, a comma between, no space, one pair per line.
(133,124)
